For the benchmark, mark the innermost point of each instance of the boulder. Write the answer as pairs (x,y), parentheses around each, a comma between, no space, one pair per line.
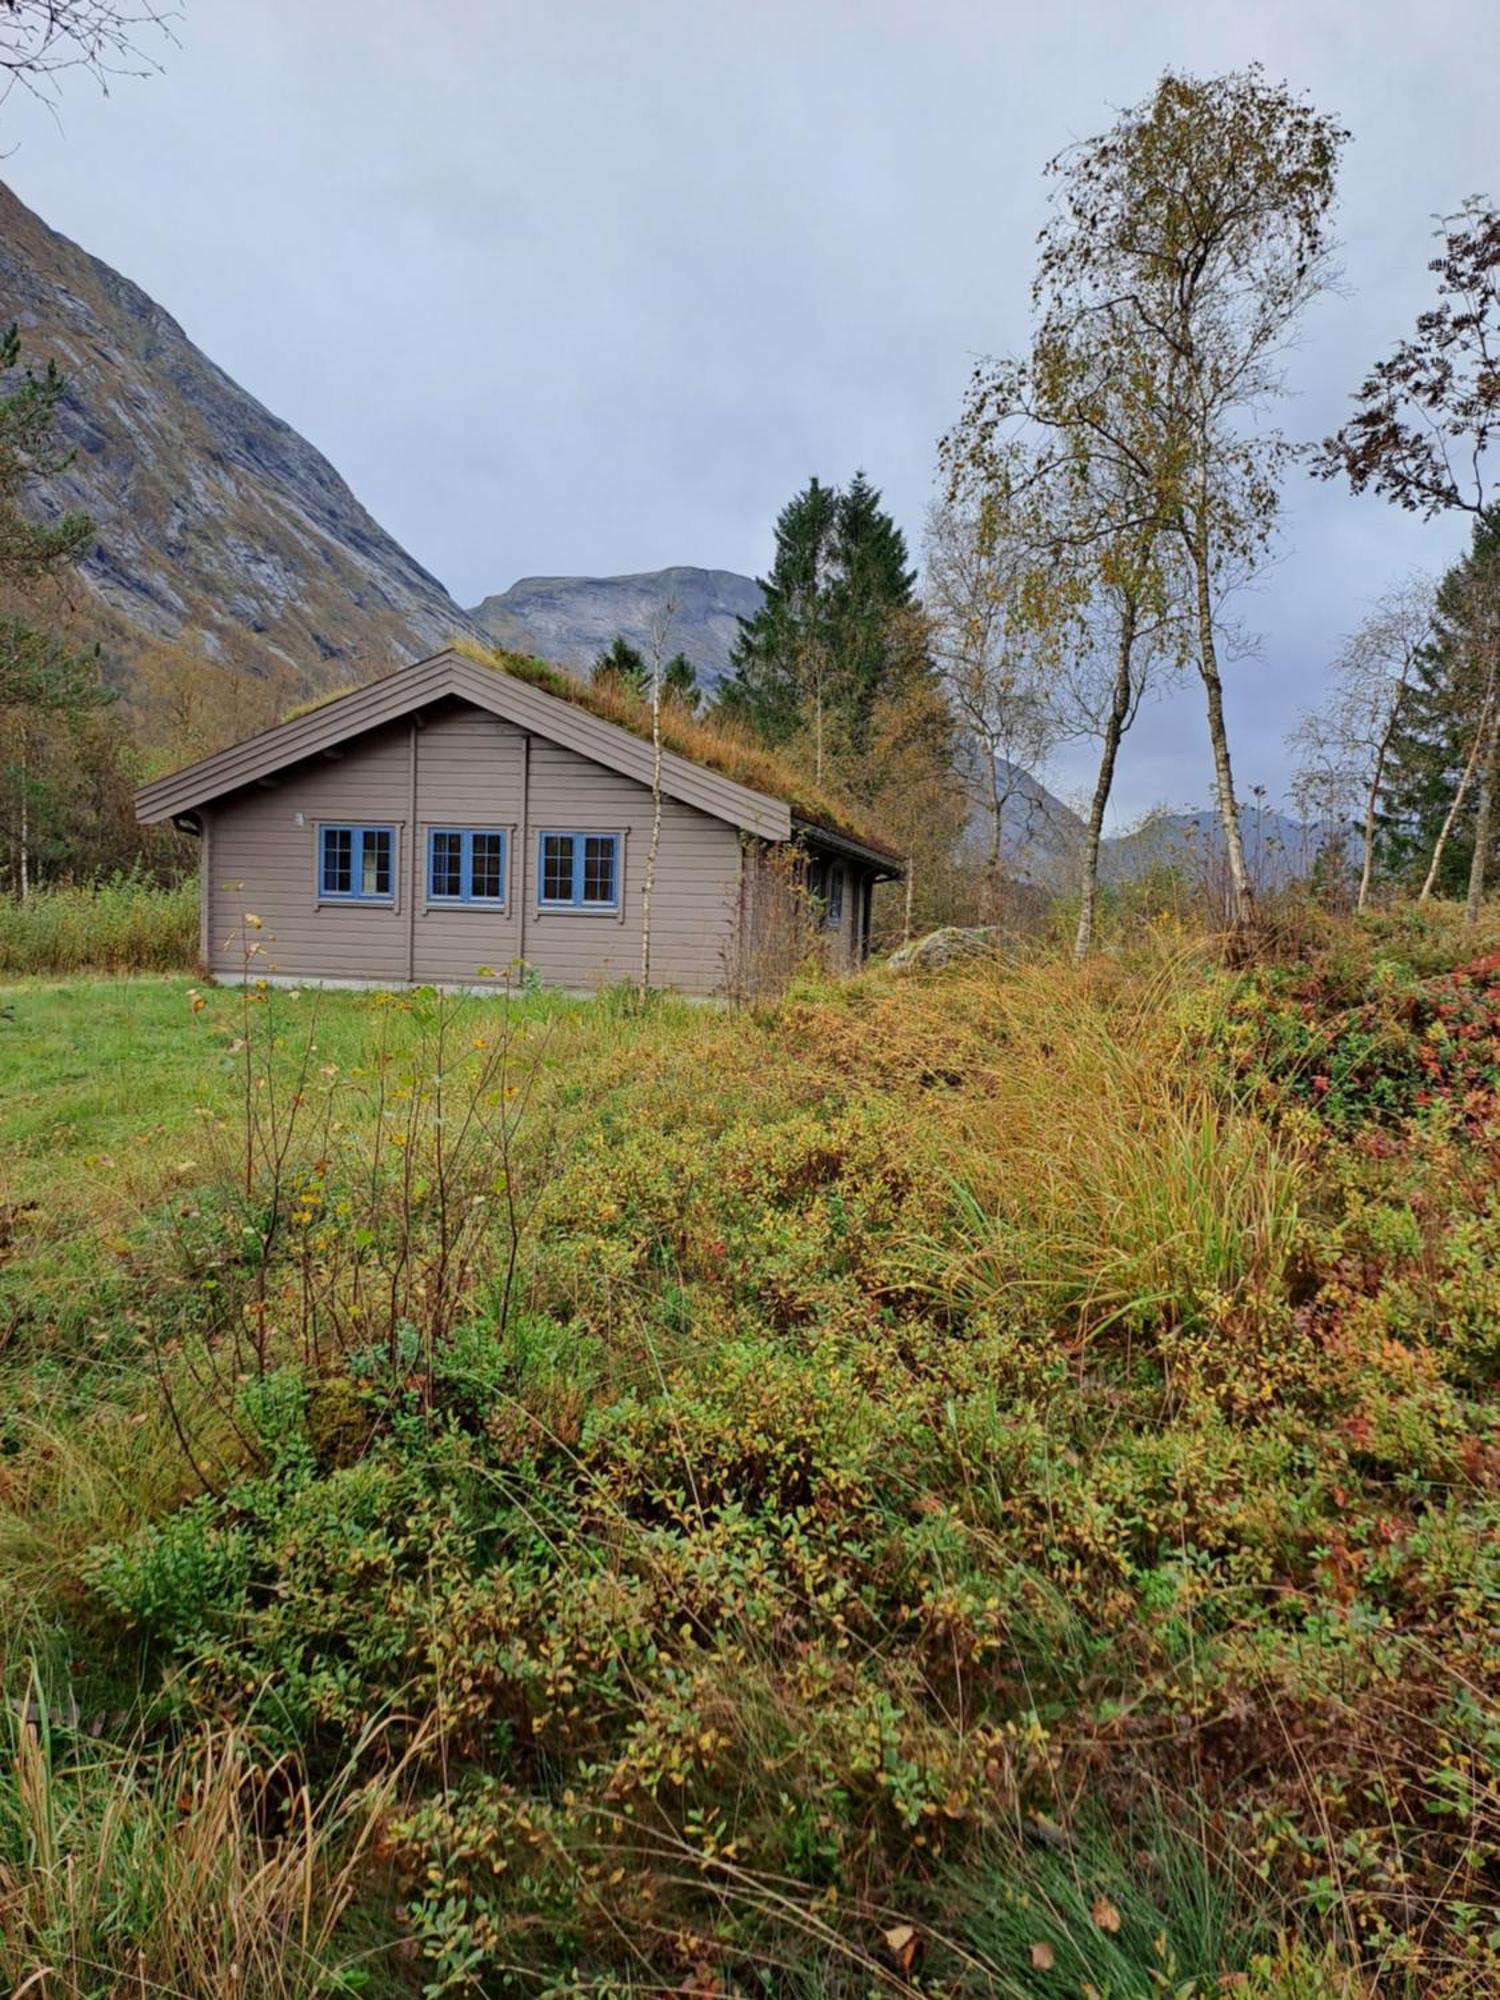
(944,947)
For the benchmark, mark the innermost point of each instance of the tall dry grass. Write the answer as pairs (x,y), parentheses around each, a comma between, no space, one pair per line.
(124,925)
(1103,1174)
(195,1872)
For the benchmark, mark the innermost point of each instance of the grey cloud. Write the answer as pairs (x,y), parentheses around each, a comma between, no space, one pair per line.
(589,288)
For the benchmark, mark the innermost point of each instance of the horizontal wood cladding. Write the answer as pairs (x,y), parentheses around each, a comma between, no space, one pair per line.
(464,767)
(413,689)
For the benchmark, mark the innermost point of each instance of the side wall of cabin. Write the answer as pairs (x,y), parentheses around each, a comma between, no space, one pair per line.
(785,926)
(459,767)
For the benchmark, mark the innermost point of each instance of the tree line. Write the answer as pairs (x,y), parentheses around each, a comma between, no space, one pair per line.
(1104,495)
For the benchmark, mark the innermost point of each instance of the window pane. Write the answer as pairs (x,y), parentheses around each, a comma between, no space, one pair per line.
(375,869)
(447,865)
(599,868)
(485,872)
(338,877)
(557,867)
(835,910)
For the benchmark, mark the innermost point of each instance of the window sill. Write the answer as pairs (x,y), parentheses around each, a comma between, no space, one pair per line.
(444,905)
(577,910)
(356,903)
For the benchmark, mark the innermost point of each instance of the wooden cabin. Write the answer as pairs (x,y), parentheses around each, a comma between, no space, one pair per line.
(455,824)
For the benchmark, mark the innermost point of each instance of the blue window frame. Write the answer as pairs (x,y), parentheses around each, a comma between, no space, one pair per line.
(466,864)
(578,871)
(357,864)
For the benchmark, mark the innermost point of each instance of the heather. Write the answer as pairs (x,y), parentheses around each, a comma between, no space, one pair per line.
(974,1483)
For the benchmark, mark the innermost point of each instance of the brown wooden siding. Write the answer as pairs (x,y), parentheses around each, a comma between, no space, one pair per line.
(465,767)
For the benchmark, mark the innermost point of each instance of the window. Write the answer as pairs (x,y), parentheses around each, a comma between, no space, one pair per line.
(579,871)
(465,865)
(356,864)
(825,885)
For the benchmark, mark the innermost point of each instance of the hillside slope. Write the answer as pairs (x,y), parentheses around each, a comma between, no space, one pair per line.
(572,619)
(220,528)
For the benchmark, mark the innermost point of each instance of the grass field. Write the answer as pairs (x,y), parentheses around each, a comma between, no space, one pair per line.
(980,1484)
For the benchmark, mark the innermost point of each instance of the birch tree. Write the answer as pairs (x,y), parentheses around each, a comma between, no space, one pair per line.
(996,655)
(1184,246)
(1344,747)
(655,689)
(1064,445)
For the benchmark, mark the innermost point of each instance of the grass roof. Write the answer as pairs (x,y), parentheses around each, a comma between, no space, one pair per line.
(718,746)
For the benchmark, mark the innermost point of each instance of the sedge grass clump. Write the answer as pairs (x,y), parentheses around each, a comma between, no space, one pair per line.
(1103,1185)
(192,1871)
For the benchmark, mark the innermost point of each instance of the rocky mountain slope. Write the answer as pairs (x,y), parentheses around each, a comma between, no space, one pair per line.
(220,529)
(572,619)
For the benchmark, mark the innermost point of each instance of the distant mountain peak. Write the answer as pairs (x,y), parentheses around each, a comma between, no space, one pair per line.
(572,619)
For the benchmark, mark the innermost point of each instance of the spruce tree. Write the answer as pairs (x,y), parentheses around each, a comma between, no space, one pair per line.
(829,642)
(679,683)
(780,655)
(1439,752)
(622,668)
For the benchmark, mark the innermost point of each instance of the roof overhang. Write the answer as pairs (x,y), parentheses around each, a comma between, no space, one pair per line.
(884,865)
(411,689)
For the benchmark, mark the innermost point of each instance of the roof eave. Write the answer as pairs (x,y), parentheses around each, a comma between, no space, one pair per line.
(515,700)
(888,867)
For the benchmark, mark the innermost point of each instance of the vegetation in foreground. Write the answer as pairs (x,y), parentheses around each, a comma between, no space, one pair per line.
(975,1485)
(126,924)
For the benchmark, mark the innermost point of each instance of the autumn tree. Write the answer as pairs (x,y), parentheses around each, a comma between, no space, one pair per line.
(40,40)
(995,654)
(41,674)
(1184,245)
(1062,448)
(1343,749)
(1426,417)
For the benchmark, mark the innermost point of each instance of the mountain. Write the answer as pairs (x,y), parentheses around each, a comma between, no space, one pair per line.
(220,529)
(1042,841)
(1278,849)
(572,619)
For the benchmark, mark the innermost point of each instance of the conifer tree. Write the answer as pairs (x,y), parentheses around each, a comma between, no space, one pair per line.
(830,641)
(621,667)
(679,683)
(1440,781)
(781,653)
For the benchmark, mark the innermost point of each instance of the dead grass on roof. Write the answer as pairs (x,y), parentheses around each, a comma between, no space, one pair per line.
(719,746)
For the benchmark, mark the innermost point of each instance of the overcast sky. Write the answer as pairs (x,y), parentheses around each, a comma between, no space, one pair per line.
(589,286)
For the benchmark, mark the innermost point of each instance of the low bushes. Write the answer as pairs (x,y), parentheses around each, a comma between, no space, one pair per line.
(988,1484)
